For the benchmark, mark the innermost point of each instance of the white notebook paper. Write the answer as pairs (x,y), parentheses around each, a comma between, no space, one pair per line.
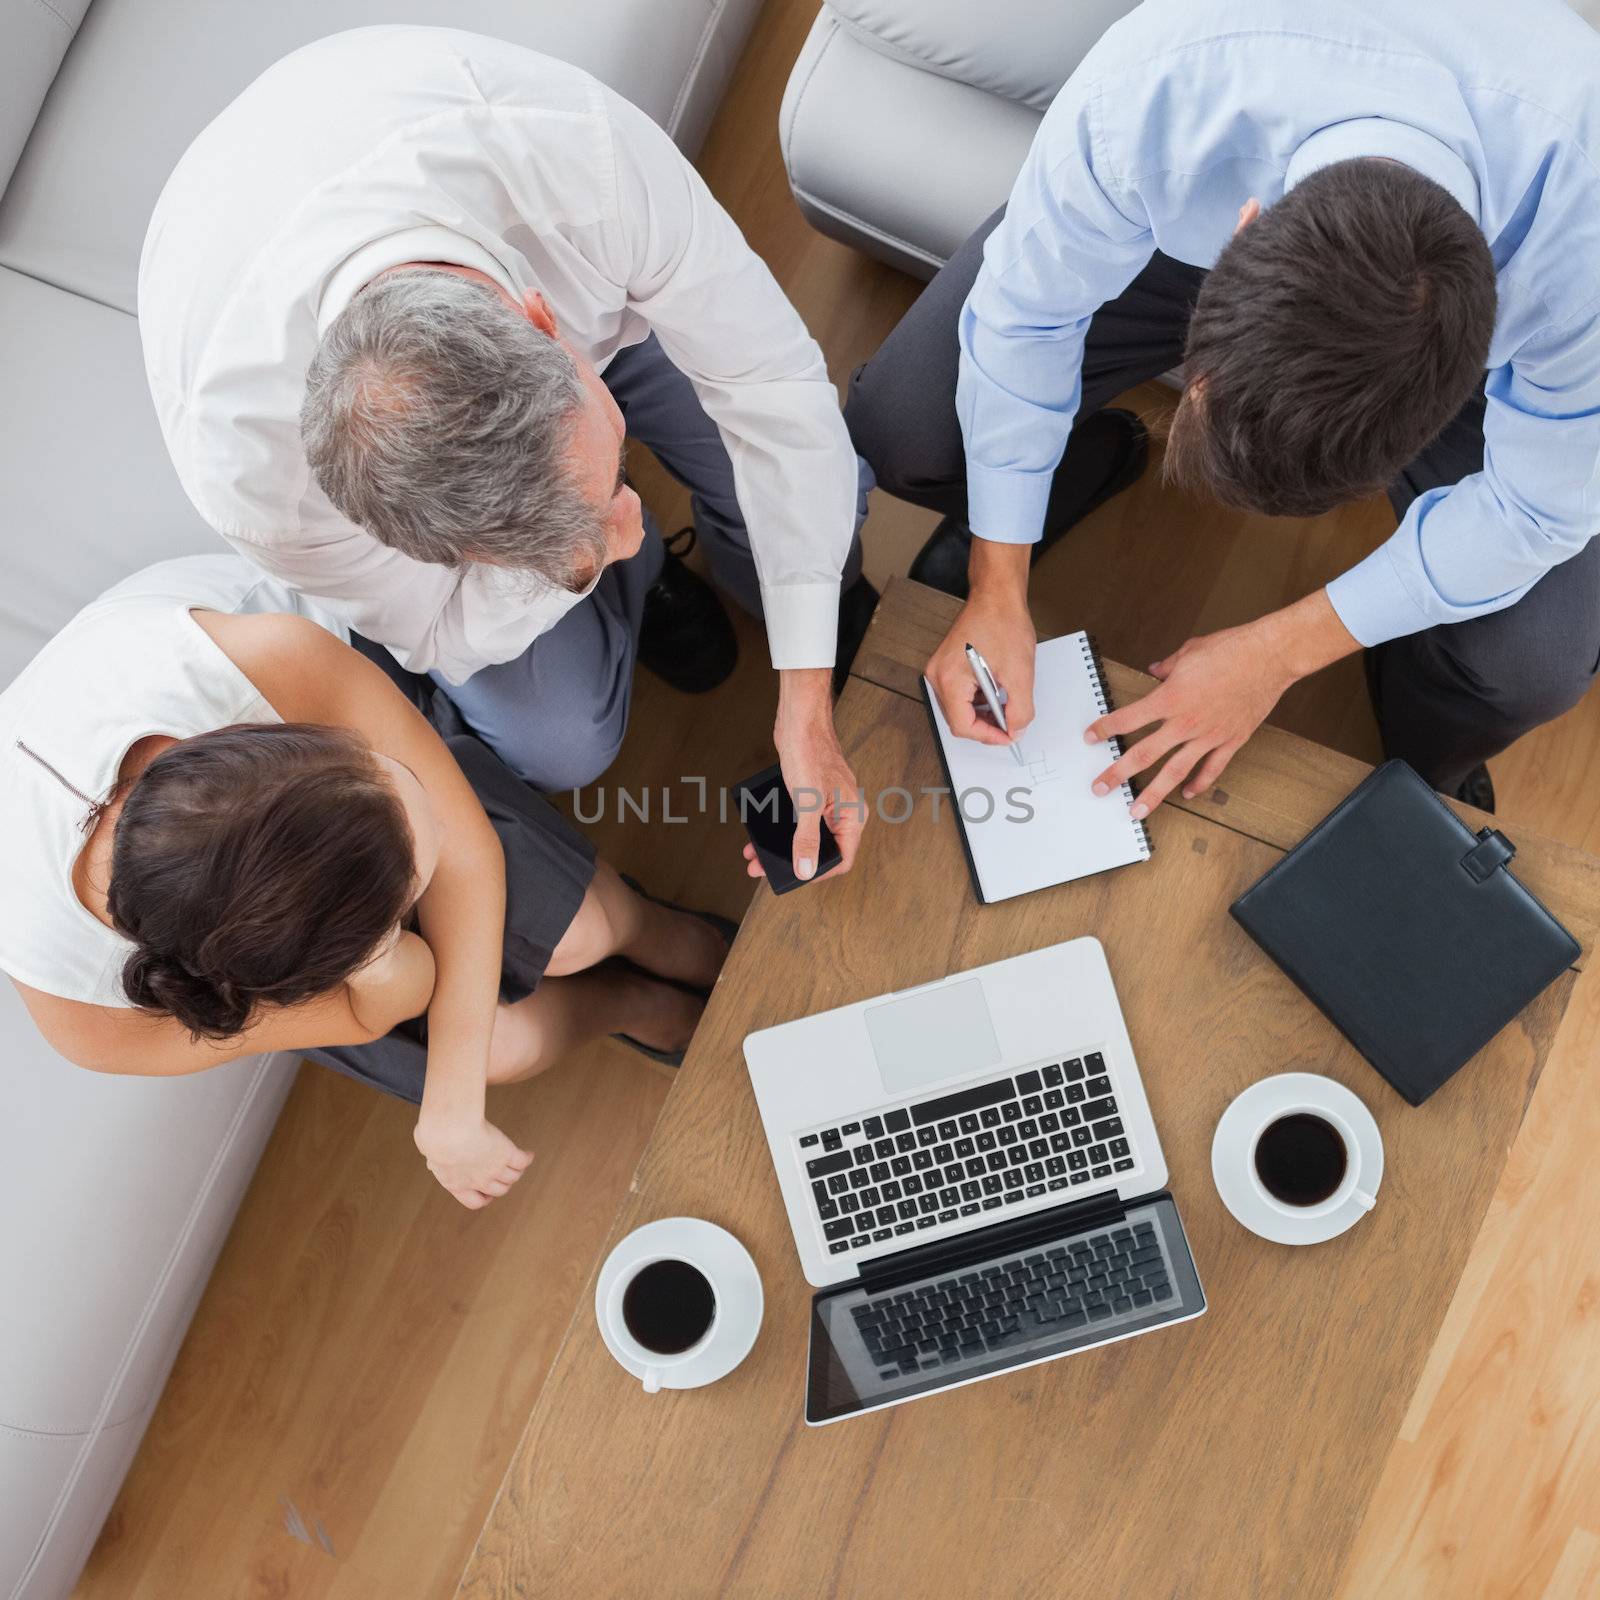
(1035,825)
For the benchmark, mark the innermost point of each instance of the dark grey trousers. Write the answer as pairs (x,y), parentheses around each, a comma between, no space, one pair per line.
(1446,699)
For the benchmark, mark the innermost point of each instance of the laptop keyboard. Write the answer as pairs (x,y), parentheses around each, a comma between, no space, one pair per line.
(914,1167)
(1105,1276)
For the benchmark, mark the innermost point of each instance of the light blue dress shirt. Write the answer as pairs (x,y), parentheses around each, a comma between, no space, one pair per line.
(1185,110)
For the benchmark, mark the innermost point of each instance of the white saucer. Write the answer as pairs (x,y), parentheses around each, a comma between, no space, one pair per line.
(1230,1156)
(733,1275)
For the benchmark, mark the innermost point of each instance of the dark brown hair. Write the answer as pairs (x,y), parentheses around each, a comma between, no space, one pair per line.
(256,864)
(1335,338)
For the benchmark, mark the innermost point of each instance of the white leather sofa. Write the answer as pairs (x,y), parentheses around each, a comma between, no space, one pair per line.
(905,121)
(116,1194)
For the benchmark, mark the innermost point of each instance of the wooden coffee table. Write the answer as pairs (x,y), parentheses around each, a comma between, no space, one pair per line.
(1230,1456)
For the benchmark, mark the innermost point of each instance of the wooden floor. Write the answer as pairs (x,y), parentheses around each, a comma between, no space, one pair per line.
(366,1352)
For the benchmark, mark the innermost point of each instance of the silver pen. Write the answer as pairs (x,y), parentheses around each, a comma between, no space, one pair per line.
(992,695)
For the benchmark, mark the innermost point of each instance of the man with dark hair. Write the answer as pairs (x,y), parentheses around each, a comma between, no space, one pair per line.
(1371,236)
(1367,287)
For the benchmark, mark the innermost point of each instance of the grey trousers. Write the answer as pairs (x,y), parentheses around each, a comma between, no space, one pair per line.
(1446,699)
(556,714)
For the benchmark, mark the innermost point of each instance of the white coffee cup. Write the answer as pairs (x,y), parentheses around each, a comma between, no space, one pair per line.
(655,1364)
(736,1310)
(1350,1186)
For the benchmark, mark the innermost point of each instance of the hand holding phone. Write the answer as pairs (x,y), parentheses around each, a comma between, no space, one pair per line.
(767,810)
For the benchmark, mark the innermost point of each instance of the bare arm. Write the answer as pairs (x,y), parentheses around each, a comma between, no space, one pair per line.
(134,1043)
(309,676)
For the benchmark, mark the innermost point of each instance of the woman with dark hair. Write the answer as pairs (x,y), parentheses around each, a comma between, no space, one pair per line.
(223,830)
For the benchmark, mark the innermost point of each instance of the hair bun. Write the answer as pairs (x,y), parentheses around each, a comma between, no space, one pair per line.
(208,1009)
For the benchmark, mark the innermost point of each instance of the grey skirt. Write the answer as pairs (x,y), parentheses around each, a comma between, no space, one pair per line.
(549,865)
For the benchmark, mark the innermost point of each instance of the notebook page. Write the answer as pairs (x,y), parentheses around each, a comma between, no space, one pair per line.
(1037,824)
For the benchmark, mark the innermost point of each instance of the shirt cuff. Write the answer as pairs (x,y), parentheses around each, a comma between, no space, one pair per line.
(1006,506)
(802,624)
(1372,601)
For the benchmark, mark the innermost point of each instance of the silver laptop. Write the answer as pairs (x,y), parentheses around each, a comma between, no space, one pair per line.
(973,1179)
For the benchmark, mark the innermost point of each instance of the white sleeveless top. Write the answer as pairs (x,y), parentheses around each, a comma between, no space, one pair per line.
(131,664)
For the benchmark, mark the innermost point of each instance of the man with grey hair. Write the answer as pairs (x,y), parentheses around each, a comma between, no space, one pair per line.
(403,302)
(439,419)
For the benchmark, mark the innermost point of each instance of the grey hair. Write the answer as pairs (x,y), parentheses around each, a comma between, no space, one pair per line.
(440,421)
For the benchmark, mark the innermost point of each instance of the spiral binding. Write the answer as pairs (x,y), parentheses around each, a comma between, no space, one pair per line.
(1102,697)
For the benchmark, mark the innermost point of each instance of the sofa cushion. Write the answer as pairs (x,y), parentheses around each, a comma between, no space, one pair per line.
(146,75)
(942,155)
(91,1150)
(89,493)
(33,1469)
(1021,49)
(34,35)
(118,1193)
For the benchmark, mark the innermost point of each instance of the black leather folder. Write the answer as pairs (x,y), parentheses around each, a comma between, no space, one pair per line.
(1407,929)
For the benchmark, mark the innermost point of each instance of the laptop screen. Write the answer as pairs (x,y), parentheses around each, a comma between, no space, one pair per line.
(1017,1307)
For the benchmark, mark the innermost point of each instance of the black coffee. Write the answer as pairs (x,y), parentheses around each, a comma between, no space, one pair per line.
(1300,1159)
(668,1306)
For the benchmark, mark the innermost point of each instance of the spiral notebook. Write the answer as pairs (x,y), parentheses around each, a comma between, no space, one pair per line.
(1037,824)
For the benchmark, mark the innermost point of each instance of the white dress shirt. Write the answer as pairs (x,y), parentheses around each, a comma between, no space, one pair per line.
(394,144)
(1186,109)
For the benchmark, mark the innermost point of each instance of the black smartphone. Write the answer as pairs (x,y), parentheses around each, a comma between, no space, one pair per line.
(766,809)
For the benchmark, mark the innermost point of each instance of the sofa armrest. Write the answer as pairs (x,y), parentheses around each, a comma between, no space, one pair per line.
(1022,50)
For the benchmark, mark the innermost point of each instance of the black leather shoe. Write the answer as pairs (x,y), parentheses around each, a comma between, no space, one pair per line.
(856,605)
(686,638)
(1476,789)
(942,562)
(1106,452)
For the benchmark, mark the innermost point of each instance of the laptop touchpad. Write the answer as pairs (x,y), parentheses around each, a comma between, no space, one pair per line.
(933,1037)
